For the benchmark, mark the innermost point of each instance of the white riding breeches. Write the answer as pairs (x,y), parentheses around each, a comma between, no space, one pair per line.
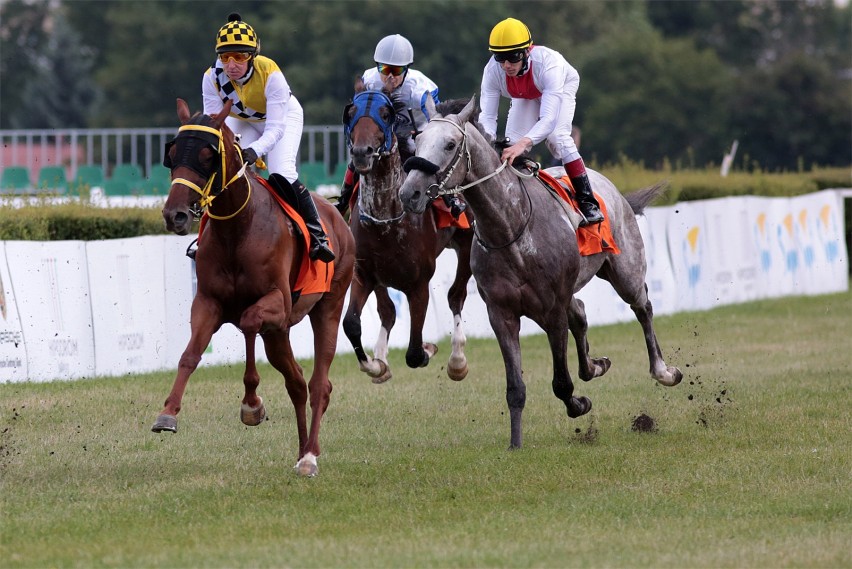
(524,113)
(282,158)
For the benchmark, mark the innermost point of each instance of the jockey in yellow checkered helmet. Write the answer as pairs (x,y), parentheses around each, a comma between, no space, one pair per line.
(265,115)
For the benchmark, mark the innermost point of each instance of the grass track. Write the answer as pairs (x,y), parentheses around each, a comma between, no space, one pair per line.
(749,465)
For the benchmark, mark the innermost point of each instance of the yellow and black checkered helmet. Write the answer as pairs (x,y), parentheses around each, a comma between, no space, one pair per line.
(237,35)
(509,35)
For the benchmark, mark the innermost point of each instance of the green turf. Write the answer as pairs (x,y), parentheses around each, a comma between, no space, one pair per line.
(748,465)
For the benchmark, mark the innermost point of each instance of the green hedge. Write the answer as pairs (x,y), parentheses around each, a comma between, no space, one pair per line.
(77,221)
(80,220)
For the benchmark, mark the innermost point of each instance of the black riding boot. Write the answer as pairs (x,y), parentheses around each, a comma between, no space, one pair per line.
(456,206)
(349,181)
(589,206)
(319,242)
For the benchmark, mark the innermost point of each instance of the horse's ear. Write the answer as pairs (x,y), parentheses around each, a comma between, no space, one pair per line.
(219,119)
(466,115)
(359,84)
(182,111)
(431,111)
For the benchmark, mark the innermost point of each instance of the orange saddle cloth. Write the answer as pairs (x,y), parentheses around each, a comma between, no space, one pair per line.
(591,239)
(314,276)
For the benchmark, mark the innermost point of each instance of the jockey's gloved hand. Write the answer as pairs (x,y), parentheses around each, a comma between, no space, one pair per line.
(501,144)
(249,156)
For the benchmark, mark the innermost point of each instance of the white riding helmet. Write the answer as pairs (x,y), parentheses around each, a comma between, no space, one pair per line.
(394,50)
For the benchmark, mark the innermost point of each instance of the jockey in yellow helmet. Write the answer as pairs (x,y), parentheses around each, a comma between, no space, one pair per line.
(543,88)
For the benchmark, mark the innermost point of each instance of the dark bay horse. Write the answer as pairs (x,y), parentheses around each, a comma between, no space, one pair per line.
(248,259)
(395,249)
(526,259)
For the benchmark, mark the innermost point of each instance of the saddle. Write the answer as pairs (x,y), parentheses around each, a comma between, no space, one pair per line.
(591,239)
(314,275)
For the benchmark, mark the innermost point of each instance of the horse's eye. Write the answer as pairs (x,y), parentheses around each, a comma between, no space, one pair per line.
(451,145)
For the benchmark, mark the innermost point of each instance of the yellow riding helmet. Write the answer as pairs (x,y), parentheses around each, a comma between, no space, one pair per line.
(237,35)
(509,35)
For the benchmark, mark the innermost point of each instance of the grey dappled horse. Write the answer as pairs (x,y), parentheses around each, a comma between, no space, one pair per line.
(525,257)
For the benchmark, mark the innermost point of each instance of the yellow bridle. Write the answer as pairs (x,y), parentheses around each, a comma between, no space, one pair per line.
(206,197)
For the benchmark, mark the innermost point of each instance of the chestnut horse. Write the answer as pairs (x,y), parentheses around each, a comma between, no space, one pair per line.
(248,260)
(395,249)
(526,260)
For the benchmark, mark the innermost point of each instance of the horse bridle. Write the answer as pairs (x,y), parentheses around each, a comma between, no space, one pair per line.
(442,177)
(209,135)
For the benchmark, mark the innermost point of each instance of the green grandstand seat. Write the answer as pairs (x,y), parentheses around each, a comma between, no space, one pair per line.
(88,176)
(313,174)
(130,174)
(15,180)
(113,187)
(52,179)
(158,182)
(339,173)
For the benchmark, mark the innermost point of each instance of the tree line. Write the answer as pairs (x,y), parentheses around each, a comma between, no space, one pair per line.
(662,82)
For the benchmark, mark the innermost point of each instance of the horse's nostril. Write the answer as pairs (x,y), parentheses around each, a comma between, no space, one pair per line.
(180,218)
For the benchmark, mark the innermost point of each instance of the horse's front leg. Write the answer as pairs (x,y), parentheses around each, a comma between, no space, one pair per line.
(252,411)
(418,353)
(589,368)
(205,319)
(358,294)
(457,365)
(563,387)
(507,328)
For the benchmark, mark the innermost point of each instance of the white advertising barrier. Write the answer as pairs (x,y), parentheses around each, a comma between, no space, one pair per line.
(731,266)
(127,286)
(51,287)
(58,300)
(662,291)
(823,265)
(688,249)
(13,349)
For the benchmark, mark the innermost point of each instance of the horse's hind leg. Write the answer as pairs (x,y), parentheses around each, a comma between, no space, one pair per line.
(280,355)
(666,375)
(589,368)
(634,292)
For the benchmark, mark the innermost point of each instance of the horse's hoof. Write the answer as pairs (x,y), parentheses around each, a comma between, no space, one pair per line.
(165,423)
(457,373)
(383,374)
(431,350)
(253,417)
(672,377)
(579,406)
(384,377)
(307,466)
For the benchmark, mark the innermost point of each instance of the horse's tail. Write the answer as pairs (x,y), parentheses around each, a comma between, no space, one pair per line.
(640,199)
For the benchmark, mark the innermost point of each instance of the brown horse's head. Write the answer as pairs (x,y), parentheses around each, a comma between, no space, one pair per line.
(194,157)
(368,124)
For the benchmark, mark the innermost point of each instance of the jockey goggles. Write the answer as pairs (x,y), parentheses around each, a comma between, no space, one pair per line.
(395,70)
(510,56)
(236,56)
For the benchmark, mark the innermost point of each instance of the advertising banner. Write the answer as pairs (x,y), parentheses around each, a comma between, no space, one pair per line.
(13,349)
(51,287)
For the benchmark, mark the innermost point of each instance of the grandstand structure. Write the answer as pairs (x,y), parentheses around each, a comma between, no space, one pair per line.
(129,161)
